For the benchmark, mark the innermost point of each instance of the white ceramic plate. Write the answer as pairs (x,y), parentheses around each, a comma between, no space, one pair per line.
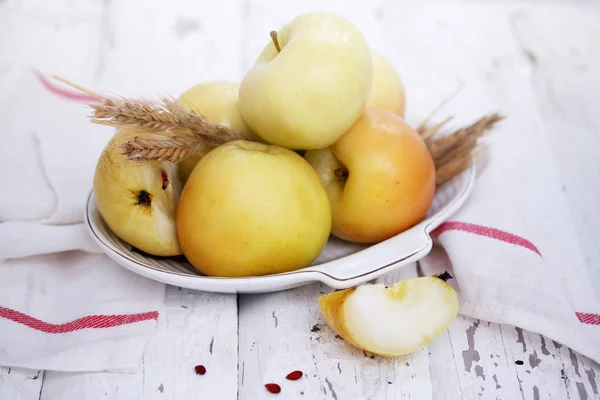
(340,265)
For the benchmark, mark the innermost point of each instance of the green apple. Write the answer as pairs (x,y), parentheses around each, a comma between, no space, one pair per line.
(138,201)
(379,176)
(252,209)
(309,92)
(388,91)
(218,102)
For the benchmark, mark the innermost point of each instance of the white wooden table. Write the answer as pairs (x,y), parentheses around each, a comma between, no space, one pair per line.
(543,57)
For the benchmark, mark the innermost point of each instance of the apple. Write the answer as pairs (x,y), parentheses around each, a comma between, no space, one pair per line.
(138,201)
(392,321)
(251,209)
(387,91)
(379,177)
(309,84)
(218,102)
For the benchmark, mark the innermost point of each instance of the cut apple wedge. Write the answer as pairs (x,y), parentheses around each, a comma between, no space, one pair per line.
(392,321)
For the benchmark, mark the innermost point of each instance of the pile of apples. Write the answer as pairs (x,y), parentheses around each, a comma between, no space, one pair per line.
(328,153)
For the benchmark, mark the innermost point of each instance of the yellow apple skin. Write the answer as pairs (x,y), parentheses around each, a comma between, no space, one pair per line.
(388,90)
(132,201)
(310,93)
(251,209)
(385,179)
(392,321)
(218,102)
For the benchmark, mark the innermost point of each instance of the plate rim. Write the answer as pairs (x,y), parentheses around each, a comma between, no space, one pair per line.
(304,275)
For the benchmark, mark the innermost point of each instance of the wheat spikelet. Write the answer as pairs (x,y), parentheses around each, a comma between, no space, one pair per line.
(165,116)
(452,153)
(170,148)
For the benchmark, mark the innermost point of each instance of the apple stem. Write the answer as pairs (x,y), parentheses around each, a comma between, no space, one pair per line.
(275,41)
(445,276)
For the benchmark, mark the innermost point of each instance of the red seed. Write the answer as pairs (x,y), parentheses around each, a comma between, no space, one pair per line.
(200,369)
(273,388)
(294,376)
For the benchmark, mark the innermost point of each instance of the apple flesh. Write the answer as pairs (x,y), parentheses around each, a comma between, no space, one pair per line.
(309,93)
(252,209)
(388,91)
(138,201)
(379,177)
(218,102)
(392,321)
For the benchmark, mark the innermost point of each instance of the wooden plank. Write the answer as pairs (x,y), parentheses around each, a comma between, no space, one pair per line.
(143,49)
(290,323)
(472,360)
(563,56)
(546,369)
(20,383)
(195,329)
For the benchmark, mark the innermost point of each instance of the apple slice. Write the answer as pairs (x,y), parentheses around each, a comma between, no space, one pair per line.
(138,201)
(392,321)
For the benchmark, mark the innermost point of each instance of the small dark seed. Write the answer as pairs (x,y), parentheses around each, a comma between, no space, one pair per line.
(200,369)
(273,388)
(294,376)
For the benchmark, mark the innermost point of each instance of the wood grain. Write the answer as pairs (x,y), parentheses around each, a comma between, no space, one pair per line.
(536,61)
(197,329)
(20,383)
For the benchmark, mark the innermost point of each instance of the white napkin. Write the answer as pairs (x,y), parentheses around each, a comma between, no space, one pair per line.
(512,248)
(63,305)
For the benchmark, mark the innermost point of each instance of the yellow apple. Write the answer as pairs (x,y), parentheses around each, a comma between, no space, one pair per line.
(252,209)
(306,95)
(392,321)
(218,102)
(138,201)
(379,177)
(388,91)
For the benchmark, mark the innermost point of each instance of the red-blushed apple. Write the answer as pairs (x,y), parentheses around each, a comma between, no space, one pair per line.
(379,177)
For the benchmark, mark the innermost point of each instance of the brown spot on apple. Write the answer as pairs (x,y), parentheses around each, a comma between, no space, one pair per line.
(143,198)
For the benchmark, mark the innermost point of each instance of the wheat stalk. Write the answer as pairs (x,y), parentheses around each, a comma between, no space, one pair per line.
(166,116)
(452,153)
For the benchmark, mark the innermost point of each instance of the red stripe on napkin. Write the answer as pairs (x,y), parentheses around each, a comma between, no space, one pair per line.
(89,322)
(486,231)
(66,94)
(588,318)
